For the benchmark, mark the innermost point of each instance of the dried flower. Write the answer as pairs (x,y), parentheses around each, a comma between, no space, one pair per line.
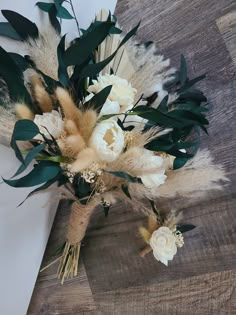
(179,239)
(163,244)
(107,140)
(121,92)
(53,123)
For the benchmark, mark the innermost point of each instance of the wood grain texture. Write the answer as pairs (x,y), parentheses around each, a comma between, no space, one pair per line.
(202,277)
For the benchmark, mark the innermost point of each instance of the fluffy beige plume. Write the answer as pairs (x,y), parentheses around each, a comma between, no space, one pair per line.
(151,69)
(84,159)
(70,127)
(71,145)
(44,100)
(70,110)
(43,52)
(87,123)
(146,235)
(23,111)
(193,180)
(136,138)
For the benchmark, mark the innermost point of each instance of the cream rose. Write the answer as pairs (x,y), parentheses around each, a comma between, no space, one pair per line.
(52,121)
(163,244)
(122,92)
(153,170)
(107,140)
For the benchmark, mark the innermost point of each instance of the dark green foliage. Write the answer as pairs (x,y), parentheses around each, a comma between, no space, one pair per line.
(125,190)
(53,19)
(62,68)
(185,227)
(8,31)
(23,27)
(82,189)
(84,46)
(41,173)
(98,100)
(13,77)
(125,176)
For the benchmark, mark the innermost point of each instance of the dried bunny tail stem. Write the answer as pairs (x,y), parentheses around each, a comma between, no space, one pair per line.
(70,127)
(23,111)
(79,220)
(70,110)
(42,97)
(87,123)
(72,145)
(84,159)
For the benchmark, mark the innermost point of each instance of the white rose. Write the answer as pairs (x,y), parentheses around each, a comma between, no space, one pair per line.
(121,92)
(107,140)
(154,180)
(52,121)
(153,170)
(163,244)
(110,107)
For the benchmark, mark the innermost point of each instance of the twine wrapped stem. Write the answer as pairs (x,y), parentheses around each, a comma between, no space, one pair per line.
(78,223)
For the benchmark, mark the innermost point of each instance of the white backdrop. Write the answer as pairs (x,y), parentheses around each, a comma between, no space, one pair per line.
(24,231)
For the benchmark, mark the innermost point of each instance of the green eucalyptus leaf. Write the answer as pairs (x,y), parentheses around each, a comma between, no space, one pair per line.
(29,158)
(23,27)
(78,52)
(63,13)
(62,68)
(92,70)
(58,3)
(7,30)
(125,176)
(53,19)
(44,6)
(56,159)
(125,190)
(20,61)
(185,227)
(183,71)
(100,98)
(163,106)
(13,77)
(23,130)
(41,173)
(42,187)
(190,83)
(179,162)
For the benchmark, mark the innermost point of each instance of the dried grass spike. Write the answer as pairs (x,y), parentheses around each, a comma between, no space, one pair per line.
(70,110)
(42,97)
(88,123)
(23,111)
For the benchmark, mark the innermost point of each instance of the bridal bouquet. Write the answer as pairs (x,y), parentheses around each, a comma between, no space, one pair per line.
(105,119)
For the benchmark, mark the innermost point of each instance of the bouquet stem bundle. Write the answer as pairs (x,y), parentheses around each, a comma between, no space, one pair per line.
(79,220)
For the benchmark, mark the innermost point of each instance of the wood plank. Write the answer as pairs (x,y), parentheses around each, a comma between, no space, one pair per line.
(227,27)
(49,296)
(209,294)
(210,247)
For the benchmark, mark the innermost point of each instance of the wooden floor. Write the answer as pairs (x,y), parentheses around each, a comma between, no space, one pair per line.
(202,278)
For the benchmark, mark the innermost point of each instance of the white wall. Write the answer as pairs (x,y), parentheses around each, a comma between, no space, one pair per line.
(24,231)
